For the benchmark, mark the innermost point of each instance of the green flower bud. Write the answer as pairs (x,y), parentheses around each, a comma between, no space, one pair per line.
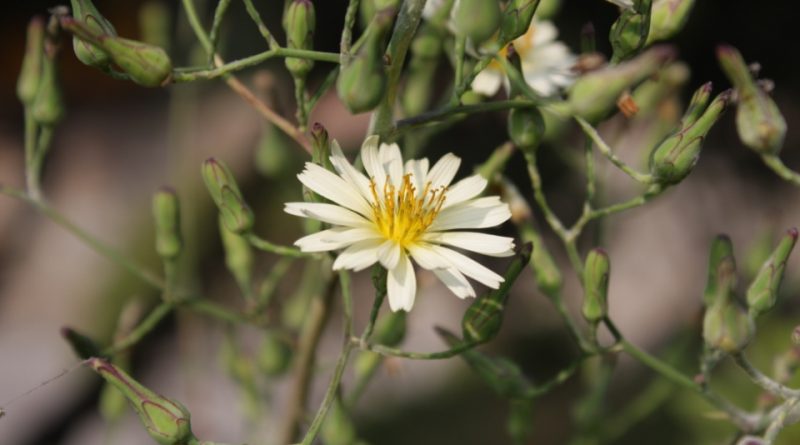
(30,74)
(112,403)
(517,19)
(477,20)
(221,184)
(166,212)
(548,9)
(362,79)
(526,127)
(763,291)
(727,327)
(320,145)
(47,107)
(675,157)
(274,355)
(758,120)
(667,18)
(86,52)
(483,318)
(595,94)
(595,286)
(721,271)
(238,255)
(83,346)
(520,420)
(338,428)
(653,93)
(155,21)
(167,421)
(629,33)
(418,88)
(300,21)
(546,273)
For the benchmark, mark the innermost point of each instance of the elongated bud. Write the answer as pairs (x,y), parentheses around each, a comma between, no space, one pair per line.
(47,107)
(274,354)
(300,21)
(477,20)
(320,145)
(166,213)
(546,273)
(362,79)
(83,346)
(595,94)
(526,127)
(89,53)
(30,74)
(483,318)
(167,421)
(595,286)
(727,327)
(425,51)
(759,122)
(338,428)
(667,18)
(238,255)
(721,271)
(763,291)
(221,184)
(629,33)
(517,19)
(675,157)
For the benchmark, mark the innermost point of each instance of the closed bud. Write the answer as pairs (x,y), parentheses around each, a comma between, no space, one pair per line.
(89,53)
(274,355)
(362,79)
(629,33)
(166,213)
(418,88)
(595,94)
(47,107)
(595,286)
(654,95)
(30,74)
(483,318)
(221,184)
(526,127)
(759,122)
(83,346)
(675,157)
(300,21)
(166,421)
(320,145)
(477,20)
(338,428)
(727,327)
(546,273)
(763,291)
(721,271)
(667,18)
(517,19)
(238,255)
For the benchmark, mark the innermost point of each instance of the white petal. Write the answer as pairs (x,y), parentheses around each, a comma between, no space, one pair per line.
(476,214)
(392,162)
(464,189)
(455,281)
(543,31)
(487,82)
(418,169)
(372,163)
(328,213)
(443,172)
(401,285)
(335,238)
(348,172)
(330,186)
(483,243)
(389,254)
(427,258)
(470,267)
(359,255)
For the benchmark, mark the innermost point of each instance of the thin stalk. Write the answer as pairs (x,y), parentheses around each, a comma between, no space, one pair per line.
(221,70)
(347,32)
(141,330)
(394,352)
(776,164)
(594,136)
(262,244)
(763,381)
(262,28)
(219,15)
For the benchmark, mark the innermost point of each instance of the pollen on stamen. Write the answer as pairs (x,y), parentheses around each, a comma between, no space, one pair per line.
(403,215)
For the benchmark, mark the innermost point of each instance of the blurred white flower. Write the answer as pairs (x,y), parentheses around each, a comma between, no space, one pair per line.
(403,211)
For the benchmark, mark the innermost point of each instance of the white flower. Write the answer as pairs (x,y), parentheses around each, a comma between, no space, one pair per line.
(403,211)
(546,62)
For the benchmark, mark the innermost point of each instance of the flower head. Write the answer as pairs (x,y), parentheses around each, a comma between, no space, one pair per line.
(546,62)
(399,211)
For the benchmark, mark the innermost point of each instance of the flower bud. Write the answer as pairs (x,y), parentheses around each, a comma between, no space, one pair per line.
(274,355)
(221,184)
(300,21)
(654,95)
(166,212)
(520,420)
(155,21)
(547,275)
(477,20)
(763,291)
(166,421)
(721,271)
(629,32)
(362,79)
(675,157)
(483,318)
(47,107)
(595,286)
(595,94)
(418,88)
(320,145)
(727,327)
(86,52)
(238,255)
(667,18)
(758,120)
(30,74)
(338,428)
(517,19)
(83,346)
(526,127)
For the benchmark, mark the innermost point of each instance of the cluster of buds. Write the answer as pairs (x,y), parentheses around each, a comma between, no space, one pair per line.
(763,291)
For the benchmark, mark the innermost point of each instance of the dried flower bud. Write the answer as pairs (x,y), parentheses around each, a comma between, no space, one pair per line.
(299,23)
(30,74)
(629,32)
(362,79)
(88,53)
(595,286)
(758,120)
(224,191)
(667,18)
(238,255)
(517,19)
(166,212)
(526,127)
(166,421)
(763,291)
(477,20)
(274,355)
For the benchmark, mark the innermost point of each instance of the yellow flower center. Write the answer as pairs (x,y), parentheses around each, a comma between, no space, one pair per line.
(401,215)
(522,45)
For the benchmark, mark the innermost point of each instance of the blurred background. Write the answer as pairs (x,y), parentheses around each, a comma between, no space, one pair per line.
(119,143)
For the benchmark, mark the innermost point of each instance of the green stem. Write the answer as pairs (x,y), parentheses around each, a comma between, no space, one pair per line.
(141,330)
(31,175)
(378,278)
(775,163)
(347,32)
(262,28)
(219,14)
(267,246)
(191,75)
(594,136)
(460,48)
(763,381)
(405,125)
(394,352)
(327,83)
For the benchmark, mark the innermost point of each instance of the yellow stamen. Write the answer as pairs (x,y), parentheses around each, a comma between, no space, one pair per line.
(522,45)
(401,215)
